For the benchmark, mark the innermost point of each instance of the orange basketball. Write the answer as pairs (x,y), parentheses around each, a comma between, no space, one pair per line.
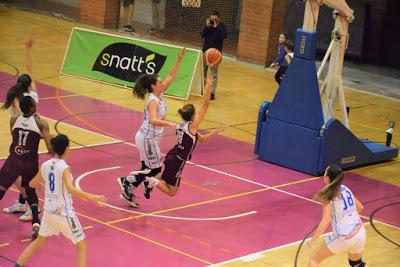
(212,56)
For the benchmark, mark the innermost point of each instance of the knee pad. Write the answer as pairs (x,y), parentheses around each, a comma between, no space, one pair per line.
(357,263)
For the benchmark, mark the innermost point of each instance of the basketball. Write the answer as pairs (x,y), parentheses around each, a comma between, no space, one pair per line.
(212,56)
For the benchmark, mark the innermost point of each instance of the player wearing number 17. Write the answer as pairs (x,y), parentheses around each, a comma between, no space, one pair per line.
(341,208)
(26,129)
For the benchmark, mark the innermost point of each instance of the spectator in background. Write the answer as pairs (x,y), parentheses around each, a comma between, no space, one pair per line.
(286,62)
(127,15)
(281,52)
(214,35)
(158,10)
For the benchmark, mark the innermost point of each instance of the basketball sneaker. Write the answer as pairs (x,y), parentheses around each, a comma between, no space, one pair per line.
(35,230)
(27,216)
(131,201)
(147,190)
(125,187)
(16,208)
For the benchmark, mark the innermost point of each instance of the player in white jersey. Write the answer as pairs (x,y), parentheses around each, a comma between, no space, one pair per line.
(25,86)
(341,208)
(150,133)
(188,134)
(59,214)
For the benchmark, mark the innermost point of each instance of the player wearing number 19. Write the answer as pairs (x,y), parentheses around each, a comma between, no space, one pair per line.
(26,129)
(59,215)
(341,208)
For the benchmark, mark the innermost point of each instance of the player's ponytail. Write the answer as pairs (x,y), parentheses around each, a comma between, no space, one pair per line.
(22,86)
(143,85)
(332,190)
(187,112)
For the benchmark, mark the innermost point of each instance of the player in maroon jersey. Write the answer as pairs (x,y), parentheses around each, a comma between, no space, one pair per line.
(26,130)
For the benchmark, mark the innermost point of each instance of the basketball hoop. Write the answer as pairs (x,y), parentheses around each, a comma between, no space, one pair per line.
(191,3)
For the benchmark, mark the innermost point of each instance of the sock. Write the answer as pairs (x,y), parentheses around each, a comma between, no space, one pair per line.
(33,204)
(21,199)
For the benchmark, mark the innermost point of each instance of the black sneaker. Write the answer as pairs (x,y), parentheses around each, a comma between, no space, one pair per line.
(125,187)
(128,28)
(147,190)
(212,97)
(131,201)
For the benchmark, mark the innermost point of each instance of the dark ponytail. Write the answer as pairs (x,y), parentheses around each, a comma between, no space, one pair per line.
(143,85)
(187,112)
(22,86)
(332,190)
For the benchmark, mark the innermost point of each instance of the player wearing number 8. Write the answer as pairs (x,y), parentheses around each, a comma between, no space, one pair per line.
(27,129)
(341,208)
(59,214)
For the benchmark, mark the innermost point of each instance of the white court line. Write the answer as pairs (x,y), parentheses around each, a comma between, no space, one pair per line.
(80,178)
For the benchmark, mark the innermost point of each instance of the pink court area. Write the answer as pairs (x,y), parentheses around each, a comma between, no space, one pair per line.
(229,204)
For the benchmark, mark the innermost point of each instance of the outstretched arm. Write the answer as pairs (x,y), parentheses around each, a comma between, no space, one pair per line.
(195,125)
(172,74)
(67,178)
(28,60)
(206,137)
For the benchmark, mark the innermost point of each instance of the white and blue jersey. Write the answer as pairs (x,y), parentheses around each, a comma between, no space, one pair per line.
(147,129)
(57,198)
(344,216)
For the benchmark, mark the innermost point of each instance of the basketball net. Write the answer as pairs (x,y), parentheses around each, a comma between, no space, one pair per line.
(191,3)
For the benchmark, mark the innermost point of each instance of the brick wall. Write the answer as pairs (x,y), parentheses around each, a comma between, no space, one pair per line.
(100,13)
(261,23)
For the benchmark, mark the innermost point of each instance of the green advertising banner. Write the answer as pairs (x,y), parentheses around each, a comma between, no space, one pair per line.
(120,60)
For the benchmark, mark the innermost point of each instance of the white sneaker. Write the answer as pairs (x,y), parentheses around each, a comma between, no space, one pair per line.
(16,208)
(27,216)
(152,181)
(35,230)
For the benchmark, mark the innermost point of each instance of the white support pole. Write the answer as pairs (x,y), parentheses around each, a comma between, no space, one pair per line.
(327,54)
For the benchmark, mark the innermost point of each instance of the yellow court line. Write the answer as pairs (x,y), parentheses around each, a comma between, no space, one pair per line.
(202,188)
(215,200)
(26,240)
(145,239)
(4,245)
(133,234)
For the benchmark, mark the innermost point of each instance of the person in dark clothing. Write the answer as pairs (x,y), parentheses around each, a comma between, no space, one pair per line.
(281,52)
(286,62)
(214,35)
